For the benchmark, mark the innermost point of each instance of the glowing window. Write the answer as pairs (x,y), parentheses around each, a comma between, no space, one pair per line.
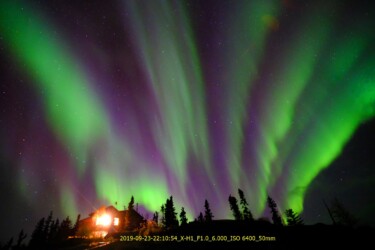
(104,220)
(116,221)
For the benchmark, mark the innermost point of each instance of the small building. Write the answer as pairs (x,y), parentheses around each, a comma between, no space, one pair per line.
(109,220)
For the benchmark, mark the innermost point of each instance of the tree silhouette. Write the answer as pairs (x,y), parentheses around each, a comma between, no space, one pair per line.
(65,229)
(234,207)
(200,218)
(155,217)
(170,214)
(128,218)
(53,231)
(247,215)
(37,236)
(329,212)
(293,218)
(207,212)
(162,222)
(21,237)
(341,215)
(276,218)
(131,203)
(46,229)
(183,219)
(76,224)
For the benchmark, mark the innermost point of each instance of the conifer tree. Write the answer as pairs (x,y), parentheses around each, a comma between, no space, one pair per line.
(207,212)
(247,215)
(293,218)
(128,215)
(46,229)
(155,217)
(162,209)
(183,219)
(76,225)
(341,215)
(21,237)
(65,229)
(131,203)
(37,236)
(276,218)
(200,218)
(234,207)
(55,225)
(170,214)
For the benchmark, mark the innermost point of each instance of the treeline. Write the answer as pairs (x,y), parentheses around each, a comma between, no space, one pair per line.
(15,245)
(51,233)
(48,233)
(240,211)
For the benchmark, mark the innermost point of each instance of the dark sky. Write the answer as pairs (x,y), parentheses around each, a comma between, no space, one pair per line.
(103,100)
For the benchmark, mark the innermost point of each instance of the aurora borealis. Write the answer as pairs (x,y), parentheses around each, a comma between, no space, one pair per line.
(195,99)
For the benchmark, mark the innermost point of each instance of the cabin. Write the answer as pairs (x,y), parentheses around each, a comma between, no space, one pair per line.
(108,220)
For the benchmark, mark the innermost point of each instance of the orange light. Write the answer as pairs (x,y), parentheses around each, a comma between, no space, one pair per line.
(116,221)
(103,220)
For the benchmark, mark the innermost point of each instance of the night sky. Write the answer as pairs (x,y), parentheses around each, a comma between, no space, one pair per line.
(101,100)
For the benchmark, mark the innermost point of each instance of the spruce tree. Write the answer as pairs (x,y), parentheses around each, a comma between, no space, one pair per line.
(128,213)
(76,225)
(65,229)
(200,218)
(162,210)
(170,214)
(131,203)
(155,218)
(207,212)
(341,215)
(183,219)
(37,236)
(53,231)
(234,207)
(46,229)
(247,215)
(276,218)
(293,218)
(21,237)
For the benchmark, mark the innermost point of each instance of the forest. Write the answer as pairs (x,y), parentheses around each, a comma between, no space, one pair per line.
(169,227)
